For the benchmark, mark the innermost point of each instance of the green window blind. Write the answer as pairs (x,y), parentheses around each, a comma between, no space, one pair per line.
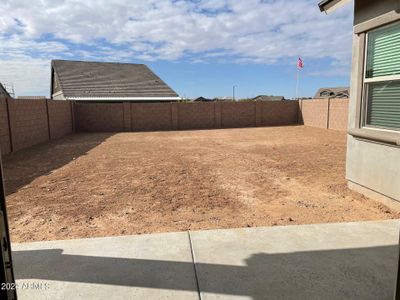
(384,104)
(383,56)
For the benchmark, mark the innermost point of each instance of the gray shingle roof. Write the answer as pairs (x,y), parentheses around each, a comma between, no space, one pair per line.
(103,79)
(203,99)
(268,98)
(334,92)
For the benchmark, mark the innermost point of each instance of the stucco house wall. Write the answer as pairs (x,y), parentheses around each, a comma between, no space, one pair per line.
(373,166)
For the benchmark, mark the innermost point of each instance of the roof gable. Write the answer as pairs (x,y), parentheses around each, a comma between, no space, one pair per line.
(4,92)
(83,79)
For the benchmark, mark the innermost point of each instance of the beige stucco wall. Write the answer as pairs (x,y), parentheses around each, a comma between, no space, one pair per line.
(373,165)
(368,9)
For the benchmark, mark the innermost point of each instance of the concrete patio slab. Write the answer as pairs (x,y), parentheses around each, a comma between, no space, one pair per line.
(157,266)
(324,261)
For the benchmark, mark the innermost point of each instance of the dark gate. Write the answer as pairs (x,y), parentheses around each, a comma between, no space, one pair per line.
(7,281)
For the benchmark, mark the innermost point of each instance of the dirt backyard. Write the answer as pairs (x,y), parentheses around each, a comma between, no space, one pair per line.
(88,185)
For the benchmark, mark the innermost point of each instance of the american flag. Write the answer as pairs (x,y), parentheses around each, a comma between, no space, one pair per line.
(300,64)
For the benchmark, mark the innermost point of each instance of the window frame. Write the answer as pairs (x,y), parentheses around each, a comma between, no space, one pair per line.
(356,128)
(379,79)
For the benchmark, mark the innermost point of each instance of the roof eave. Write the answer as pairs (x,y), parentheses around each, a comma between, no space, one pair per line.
(329,6)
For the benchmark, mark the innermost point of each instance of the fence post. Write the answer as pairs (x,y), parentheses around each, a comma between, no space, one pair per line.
(72,110)
(175,115)
(300,120)
(328,113)
(9,126)
(48,118)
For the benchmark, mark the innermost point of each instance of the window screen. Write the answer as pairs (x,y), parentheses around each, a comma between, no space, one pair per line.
(382,78)
(384,52)
(384,104)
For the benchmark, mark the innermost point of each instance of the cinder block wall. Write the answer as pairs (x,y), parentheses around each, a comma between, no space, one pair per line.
(324,113)
(238,114)
(279,113)
(5,143)
(199,115)
(29,124)
(60,118)
(99,117)
(37,121)
(96,117)
(151,116)
(314,113)
(32,122)
(338,114)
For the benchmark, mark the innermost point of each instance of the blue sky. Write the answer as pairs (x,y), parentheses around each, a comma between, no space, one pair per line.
(199,47)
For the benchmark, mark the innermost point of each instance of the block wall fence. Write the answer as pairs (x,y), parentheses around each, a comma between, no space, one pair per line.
(324,113)
(24,123)
(95,117)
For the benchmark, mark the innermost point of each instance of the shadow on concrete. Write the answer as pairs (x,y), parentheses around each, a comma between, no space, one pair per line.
(361,273)
(22,167)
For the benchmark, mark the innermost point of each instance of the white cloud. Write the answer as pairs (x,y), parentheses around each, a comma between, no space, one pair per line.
(27,76)
(252,31)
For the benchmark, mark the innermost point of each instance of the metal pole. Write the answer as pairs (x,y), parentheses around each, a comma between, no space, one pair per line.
(297,83)
(233,92)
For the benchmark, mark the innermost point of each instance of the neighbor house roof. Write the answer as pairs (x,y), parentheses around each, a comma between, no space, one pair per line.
(83,79)
(203,99)
(330,5)
(268,98)
(333,92)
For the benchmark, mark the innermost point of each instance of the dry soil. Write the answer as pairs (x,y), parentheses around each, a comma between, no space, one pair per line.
(88,185)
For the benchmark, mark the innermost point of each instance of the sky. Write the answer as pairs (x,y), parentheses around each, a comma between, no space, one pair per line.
(198,47)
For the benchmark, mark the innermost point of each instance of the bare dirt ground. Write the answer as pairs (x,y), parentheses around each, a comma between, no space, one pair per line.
(88,185)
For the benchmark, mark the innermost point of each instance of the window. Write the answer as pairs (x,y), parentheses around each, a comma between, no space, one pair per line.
(382,78)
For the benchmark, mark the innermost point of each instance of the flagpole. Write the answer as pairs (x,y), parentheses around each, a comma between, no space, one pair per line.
(297,83)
